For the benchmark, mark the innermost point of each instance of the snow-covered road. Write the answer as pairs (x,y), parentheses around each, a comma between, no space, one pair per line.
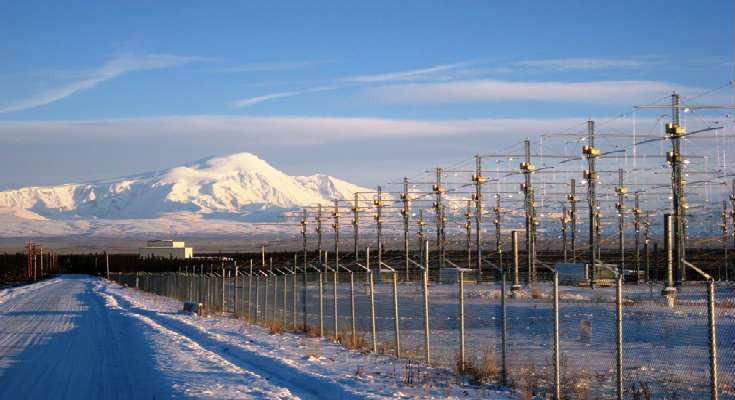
(76,337)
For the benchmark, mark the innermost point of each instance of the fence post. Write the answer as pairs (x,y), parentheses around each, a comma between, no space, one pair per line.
(250,294)
(336,311)
(224,282)
(557,350)
(669,292)
(293,292)
(200,297)
(274,317)
(372,299)
(190,285)
(619,330)
(257,297)
(712,322)
(395,312)
(516,273)
(427,346)
(234,294)
(460,286)
(275,293)
(352,308)
(321,305)
(265,301)
(285,301)
(206,292)
(304,288)
(504,326)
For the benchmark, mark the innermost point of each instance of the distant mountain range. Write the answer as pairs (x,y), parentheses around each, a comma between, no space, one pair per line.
(222,195)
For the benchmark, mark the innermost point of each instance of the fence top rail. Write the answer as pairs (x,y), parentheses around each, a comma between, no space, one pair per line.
(416,264)
(547,266)
(699,271)
(388,266)
(345,267)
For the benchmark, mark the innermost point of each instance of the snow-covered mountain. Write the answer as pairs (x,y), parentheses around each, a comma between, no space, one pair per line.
(236,187)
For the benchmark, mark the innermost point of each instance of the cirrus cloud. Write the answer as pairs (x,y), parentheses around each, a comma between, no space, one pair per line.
(113,68)
(485,90)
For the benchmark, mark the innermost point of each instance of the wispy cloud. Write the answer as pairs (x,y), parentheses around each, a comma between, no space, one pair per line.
(291,130)
(113,68)
(438,72)
(472,91)
(409,75)
(469,81)
(249,101)
(460,70)
(277,66)
(578,64)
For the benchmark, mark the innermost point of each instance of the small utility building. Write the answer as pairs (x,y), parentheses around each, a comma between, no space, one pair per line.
(165,249)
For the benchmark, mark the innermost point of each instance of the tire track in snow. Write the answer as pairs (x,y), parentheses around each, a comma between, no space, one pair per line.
(188,351)
(301,383)
(55,342)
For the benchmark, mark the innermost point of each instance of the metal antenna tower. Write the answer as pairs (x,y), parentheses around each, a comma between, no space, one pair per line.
(444,234)
(319,231)
(621,190)
(647,244)
(675,132)
(304,222)
(724,240)
(406,214)
(598,230)
(563,221)
(439,209)
(527,168)
(468,230)
(591,152)
(421,224)
(335,226)
(498,221)
(572,197)
(637,226)
(378,203)
(356,226)
(479,180)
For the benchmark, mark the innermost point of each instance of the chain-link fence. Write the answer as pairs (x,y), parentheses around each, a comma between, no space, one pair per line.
(632,339)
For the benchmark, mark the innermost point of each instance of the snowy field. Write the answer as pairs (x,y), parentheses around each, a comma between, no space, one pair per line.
(666,349)
(77,337)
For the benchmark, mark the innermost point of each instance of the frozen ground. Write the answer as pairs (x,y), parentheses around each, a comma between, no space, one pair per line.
(665,349)
(80,337)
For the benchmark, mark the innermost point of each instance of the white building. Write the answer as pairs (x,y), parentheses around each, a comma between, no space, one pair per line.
(165,249)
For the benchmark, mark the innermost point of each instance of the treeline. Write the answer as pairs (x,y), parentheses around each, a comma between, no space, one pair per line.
(13,268)
(96,263)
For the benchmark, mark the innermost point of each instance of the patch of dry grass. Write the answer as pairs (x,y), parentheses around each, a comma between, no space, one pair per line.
(275,327)
(481,370)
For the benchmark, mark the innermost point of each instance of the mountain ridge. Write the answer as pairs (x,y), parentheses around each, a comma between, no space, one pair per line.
(236,185)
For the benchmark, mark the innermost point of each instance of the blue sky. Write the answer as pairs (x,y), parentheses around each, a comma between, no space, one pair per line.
(368,91)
